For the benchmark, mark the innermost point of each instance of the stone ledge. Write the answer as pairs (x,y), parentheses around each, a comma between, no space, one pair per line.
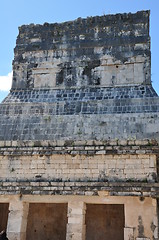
(65,143)
(79,147)
(80,188)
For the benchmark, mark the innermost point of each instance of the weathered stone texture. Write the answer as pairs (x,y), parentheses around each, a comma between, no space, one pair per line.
(80,126)
(82,79)
(53,122)
(135,216)
(110,50)
(81,94)
(79,168)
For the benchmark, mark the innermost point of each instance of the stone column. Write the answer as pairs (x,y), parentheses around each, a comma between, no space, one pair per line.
(17,220)
(128,233)
(154,225)
(76,227)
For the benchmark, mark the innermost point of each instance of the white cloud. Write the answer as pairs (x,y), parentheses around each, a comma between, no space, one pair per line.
(5,82)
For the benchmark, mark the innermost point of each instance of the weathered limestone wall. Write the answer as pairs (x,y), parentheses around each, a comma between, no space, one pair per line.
(99,167)
(17,218)
(58,122)
(123,168)
(79,161)
(82,79)
(111,50)
(81,125)
(140,214)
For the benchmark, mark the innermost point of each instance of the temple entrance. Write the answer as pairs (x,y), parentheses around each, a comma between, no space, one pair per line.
(4,210)
(105,221)
(47,221)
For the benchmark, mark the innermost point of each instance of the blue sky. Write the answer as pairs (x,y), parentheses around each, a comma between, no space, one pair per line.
(14,13)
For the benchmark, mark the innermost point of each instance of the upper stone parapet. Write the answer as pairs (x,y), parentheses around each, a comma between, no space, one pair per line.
(108,51)
(83,80)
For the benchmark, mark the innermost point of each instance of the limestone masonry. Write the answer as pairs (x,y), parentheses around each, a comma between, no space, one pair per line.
(79,132)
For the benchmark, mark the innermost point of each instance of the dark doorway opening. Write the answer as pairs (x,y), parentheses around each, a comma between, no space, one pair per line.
(47,221)
(105,221)
(4,210)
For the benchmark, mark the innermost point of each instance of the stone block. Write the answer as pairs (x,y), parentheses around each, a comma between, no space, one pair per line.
(128,233)
(100,152)
(142,238)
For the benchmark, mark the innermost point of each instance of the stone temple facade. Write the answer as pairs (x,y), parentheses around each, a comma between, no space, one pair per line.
(79,133)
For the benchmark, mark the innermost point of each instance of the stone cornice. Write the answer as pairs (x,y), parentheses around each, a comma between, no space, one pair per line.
(79,147)
(140,189)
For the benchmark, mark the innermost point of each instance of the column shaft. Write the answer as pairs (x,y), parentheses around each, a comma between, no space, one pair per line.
(17,220)
(76,221)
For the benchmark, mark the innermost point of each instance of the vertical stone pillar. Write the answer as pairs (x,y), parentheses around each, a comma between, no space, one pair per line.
(17,220)
(76,227)
(154,224)
(128,233)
